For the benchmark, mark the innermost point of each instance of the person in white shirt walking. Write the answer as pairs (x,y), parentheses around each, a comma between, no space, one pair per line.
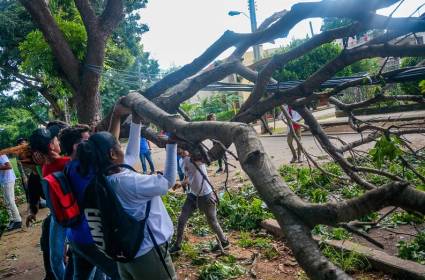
(296,130)
(200,195)
(7,183)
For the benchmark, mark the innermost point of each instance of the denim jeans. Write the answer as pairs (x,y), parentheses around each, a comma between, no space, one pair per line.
(57,248)
(90,263)
(147,156)
(44,244)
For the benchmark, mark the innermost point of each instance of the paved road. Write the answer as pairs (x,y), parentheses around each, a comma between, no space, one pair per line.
(278,150)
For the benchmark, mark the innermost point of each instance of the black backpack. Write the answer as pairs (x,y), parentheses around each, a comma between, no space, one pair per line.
(116,233)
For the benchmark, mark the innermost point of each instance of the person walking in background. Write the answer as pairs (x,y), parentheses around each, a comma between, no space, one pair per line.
(145,154)
(24,170)
(296,130)
(212,117)
(7,183)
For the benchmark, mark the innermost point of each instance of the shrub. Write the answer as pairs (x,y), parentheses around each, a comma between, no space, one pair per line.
(414,250)
(242,211)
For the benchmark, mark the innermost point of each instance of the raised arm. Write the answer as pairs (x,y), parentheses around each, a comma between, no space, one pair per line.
(133,146)
(115,125)
(170,170)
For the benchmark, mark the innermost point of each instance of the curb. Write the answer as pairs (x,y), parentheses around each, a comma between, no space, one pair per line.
(378,259)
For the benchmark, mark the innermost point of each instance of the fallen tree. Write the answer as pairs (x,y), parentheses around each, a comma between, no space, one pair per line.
(160,103)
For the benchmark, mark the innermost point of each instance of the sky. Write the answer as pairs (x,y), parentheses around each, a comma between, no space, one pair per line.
(180,30)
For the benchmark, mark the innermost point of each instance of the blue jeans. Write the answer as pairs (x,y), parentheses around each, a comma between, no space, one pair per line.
(57,248)
(147,156)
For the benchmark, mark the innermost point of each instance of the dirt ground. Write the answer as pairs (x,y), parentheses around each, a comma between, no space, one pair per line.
(21,258)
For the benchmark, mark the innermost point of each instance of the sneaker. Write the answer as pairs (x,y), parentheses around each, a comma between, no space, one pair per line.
(219,170)
(175,250)
(224,244)
(13,226)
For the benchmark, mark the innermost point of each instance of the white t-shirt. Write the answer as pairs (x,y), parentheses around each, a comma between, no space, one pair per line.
(295,116)
(6,176)
(198,185)
(134,190)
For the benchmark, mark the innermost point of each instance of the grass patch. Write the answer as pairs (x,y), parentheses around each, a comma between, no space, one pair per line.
(350,262)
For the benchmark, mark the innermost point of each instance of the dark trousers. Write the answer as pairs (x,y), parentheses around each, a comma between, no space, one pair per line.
(207,205)
(86,257)
(44,244)
(147,156)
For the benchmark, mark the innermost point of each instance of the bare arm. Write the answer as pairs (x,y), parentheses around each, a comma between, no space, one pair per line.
(115,125)
(5,166)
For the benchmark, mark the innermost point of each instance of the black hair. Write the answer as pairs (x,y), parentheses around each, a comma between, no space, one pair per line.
(70,136)
(210,116)
(56,126)
(20,140)
(94,154)
(40,140)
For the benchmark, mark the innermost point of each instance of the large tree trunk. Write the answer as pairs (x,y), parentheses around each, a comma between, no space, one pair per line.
(82,76)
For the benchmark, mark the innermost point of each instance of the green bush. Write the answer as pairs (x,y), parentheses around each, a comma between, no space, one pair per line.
(414,250)
(403,218)
(242,211)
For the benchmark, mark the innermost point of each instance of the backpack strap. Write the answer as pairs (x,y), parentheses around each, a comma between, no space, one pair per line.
(158,250)
(122,165)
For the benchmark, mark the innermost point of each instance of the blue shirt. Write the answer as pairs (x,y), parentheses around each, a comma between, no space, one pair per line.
(79,233)
(144,147)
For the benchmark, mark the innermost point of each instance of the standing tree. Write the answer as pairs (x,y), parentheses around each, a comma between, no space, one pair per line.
(80,66)
(160,102)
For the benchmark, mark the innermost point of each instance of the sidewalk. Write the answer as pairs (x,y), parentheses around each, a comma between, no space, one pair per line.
(328,119)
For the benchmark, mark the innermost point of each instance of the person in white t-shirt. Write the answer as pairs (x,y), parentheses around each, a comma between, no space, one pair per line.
(200,195)
(296,130)
(7,184)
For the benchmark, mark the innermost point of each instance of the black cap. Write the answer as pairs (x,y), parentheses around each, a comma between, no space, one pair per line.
(40,140)
(20,140)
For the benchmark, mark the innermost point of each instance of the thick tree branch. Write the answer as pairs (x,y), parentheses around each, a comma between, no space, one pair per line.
(278,61)
(41,15)
(306,88)
(376,99)
(111,16)
(88,15)
(259,168)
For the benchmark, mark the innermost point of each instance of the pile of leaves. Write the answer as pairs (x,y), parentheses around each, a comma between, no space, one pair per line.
(225,268)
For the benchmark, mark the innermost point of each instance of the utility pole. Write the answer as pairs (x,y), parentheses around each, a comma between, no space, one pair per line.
(311,29)
(253,19)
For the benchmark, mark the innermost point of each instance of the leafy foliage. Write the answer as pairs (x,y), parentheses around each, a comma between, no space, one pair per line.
(403,218)
(305,66)
(15,123)
(224,106)
(219,270)
(326,232)
(413,250)
(386,149)
(348,261)
(243,210)
(411,87)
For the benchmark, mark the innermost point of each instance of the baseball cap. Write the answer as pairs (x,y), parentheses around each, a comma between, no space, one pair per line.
(40,140)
